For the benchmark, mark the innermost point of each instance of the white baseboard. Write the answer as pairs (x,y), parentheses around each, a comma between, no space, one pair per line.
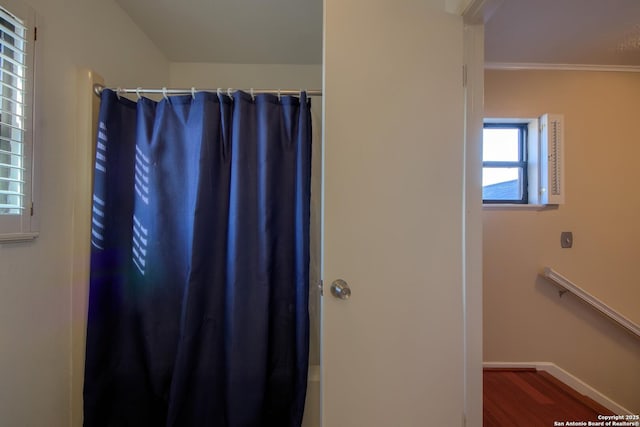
(574,382)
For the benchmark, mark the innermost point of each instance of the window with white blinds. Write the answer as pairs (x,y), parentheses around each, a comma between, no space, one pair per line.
(16,120)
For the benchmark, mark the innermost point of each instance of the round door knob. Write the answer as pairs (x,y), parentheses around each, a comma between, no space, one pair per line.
(340,289)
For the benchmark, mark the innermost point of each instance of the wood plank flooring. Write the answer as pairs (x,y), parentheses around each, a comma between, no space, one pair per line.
(530,398)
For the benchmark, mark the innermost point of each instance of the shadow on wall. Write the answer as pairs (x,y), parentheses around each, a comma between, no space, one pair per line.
(586,315)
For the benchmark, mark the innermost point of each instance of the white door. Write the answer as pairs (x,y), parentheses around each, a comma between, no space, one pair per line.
(393,354)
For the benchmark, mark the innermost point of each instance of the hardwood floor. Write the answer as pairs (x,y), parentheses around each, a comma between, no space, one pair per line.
(530,398)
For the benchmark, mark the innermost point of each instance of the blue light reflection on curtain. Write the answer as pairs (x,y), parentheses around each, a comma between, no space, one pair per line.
(198,306)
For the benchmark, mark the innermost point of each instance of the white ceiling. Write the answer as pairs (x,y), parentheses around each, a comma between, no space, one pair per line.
(592,32)
(603,32)
(232,31)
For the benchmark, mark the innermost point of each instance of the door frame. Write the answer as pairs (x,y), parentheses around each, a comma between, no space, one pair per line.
(475,15)
(472,221)
(87,109)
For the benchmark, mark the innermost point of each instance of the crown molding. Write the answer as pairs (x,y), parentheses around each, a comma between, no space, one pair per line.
(560,67)
(478,12)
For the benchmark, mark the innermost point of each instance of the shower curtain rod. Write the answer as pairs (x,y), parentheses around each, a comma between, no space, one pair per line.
(98,88)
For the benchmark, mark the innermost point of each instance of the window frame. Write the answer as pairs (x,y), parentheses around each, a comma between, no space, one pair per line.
(24,226)
(522,162)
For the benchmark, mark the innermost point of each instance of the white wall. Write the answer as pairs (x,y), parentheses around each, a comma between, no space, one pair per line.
(35,278)
(246,76)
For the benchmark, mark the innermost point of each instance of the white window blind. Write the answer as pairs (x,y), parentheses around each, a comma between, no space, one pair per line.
(16,133)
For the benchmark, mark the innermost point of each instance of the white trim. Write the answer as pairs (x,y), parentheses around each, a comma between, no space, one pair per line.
(457,7)
(17,237)
(560,67)
(472,223)
(313,375)
(572,381)
(516,207)
(509,120)
(87,106)
(24,226)
(478,12)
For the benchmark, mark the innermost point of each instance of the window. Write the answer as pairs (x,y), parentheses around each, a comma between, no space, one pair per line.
(504,163)
(523,161)
(16,120)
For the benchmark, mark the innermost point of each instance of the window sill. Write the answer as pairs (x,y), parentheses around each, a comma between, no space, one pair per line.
(17,237)
(517,207)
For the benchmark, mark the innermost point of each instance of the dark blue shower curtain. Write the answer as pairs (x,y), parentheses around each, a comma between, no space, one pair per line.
(198,304)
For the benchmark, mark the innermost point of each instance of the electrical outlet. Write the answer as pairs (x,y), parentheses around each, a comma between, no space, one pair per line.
(566,239)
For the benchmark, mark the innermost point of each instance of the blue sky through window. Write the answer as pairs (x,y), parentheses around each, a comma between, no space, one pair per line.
(502,172)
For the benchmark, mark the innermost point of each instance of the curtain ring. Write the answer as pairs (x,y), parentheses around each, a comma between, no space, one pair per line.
(278,94)
(118,90)
(193,92)
(229,93)
(253,98)
(164,93)
(219,92)
(138,89)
